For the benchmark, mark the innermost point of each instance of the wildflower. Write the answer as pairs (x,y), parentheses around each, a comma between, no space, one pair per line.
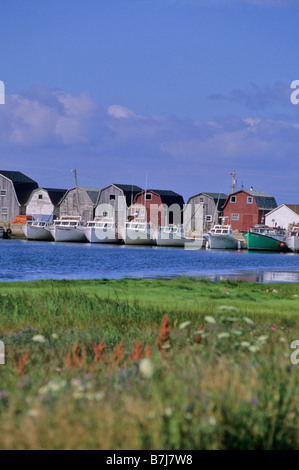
(163,339)
(33,413)
(39,339)
(146,368)
(55,336)
(3,395)
(210,319)
(184,325)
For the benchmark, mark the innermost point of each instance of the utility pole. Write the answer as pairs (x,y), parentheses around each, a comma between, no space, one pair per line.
(77,193)
(234,182)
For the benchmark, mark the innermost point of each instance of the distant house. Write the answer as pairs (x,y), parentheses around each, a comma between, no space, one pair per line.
(283,216)
(81,202)
(43,203)
(203,211)
(114,200)
(160,207)
(243,209)
(15,190)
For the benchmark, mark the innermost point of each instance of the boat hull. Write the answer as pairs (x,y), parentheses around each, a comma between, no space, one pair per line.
(133,237)
(97,235)
(170,240)
(37,233)
(293,243)
(222,242)
(68,234)
(259,242)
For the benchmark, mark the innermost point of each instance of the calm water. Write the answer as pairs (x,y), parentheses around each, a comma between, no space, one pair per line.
(27,261)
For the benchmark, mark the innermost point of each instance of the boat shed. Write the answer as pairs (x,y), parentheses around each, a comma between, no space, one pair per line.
(15,190)
(283,216)
(244,209)
(114,200)
(160,207)
(79,201)
(203,210)
(43,203)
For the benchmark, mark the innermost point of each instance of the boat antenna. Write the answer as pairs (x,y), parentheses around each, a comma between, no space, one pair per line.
(77,193)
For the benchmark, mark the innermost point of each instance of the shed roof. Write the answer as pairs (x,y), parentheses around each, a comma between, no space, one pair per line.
(293,207)
(219,198)
(129,190)
(168,197)
(263,200)
(23,184)
(55,195)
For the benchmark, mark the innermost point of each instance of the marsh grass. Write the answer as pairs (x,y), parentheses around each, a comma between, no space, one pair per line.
(135,364)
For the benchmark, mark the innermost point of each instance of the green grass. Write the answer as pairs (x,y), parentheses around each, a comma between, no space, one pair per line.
(237,388)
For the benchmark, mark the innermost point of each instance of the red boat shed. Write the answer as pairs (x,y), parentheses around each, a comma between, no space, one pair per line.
(244,209)
(162,207)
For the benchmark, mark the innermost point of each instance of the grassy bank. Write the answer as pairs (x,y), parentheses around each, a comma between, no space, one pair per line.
(138,364)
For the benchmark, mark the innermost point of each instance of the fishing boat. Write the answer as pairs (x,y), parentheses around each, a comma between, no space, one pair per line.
(37,230)
(264,238)
(138,233)
(101,230)
(68,229)
(292,239)
(221,237)
(1,232)
(173,235)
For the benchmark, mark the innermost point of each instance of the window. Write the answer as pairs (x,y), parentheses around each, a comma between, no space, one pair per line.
(233,199)
(208,218)
(250,200)
(40,196)
(105,214)
(3,192)
(201,199)
(148,197)
(235,217)
(112,197)
(4,211)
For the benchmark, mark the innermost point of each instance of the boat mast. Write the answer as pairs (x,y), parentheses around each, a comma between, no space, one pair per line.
(77,192)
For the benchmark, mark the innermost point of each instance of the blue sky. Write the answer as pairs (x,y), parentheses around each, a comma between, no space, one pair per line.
(182,91)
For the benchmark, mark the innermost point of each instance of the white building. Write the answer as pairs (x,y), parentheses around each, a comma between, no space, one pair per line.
(43,203)
(283,215)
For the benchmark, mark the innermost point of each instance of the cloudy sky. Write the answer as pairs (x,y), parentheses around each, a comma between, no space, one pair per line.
(177,93)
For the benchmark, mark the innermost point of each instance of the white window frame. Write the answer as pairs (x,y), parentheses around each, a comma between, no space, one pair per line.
(3,192)
(235,217)
(209,218)
(249,200)
(4,211)
(148,196)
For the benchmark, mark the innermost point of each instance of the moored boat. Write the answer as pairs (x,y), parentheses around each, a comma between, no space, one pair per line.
(68,229)
(101,230)
(173,235)
(221,237)
(292,239)
(138,233)
(37,230)
(1,232)
(264,238)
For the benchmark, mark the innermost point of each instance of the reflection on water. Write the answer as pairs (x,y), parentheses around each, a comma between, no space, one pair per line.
(28,261)
(255,276)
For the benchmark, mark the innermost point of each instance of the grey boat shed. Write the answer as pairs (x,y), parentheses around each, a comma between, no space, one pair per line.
(15,190)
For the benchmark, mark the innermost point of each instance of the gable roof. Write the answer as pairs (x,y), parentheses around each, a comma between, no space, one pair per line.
(129,190)
(55,195)
(168,197)
(23,184)
(293,207)
(219,198)
(263,200)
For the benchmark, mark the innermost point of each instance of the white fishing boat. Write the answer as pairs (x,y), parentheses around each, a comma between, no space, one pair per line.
(173,235)
(68,229)
(221,237)
(101,230)
(292,239)
(37,230)
(138,233)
